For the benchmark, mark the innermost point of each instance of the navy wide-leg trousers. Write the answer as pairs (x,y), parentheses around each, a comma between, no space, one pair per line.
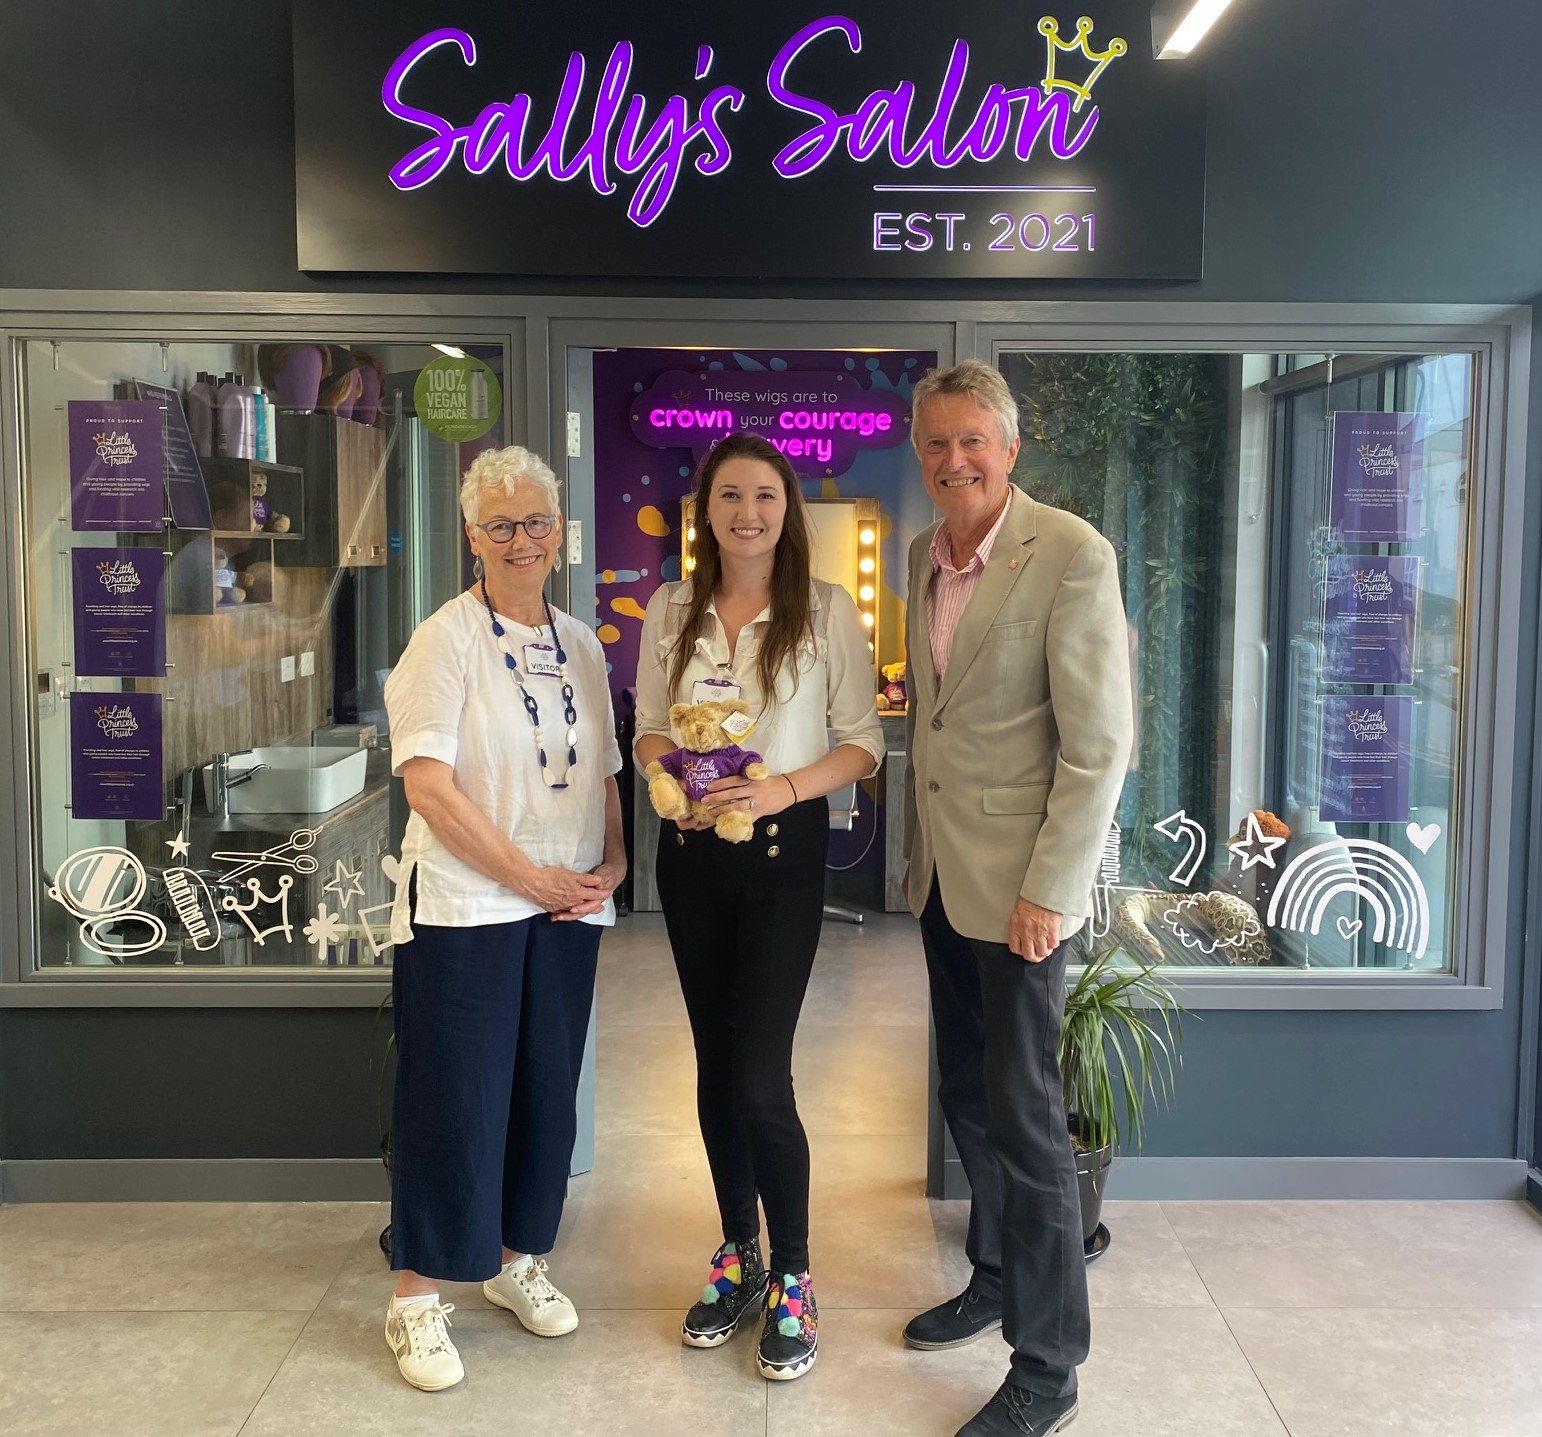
(490,1027)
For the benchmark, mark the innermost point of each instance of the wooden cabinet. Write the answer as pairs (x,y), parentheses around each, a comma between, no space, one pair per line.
(345,498)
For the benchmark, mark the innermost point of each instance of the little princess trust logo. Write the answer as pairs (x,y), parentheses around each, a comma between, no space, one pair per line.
(114,448)
(117,721)
(1379,461)
(118,576)
(1366,725)
(1372,586)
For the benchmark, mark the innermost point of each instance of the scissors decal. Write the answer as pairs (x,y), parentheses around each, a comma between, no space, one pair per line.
(284,855)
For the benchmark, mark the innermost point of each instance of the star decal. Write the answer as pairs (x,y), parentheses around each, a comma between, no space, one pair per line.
(1254,847)
(344,884)
(178,845)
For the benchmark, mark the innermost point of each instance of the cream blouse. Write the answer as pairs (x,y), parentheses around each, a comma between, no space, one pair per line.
(832,703)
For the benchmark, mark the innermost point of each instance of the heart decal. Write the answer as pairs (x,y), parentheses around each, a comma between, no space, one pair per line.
(1348,927)
(391,868)
(1423,838)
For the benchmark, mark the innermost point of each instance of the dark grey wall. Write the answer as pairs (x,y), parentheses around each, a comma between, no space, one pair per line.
(1364,150)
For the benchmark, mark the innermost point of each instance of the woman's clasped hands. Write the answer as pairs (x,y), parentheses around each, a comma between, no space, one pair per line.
(566,894)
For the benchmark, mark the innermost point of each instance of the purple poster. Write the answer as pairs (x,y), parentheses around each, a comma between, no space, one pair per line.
(1370,618)
(184,474)
(116,482)
(115,756)
(1365,758)
(819,421)
(1376,495)
(120,613)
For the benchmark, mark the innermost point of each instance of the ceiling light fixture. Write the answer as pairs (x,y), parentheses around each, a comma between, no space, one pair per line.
(454,351)
(1177,26)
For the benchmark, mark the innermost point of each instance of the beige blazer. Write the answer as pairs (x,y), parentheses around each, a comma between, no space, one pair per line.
(1016,762)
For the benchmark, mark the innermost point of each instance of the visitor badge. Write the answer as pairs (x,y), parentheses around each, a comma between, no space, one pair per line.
(714,691)
(541,660)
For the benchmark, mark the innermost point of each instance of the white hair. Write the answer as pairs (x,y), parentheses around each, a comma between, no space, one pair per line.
(976,380)
(502,471)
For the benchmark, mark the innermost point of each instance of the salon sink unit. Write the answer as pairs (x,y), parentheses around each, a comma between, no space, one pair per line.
(289,780)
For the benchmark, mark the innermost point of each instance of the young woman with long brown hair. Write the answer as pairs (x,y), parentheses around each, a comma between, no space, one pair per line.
(744,918)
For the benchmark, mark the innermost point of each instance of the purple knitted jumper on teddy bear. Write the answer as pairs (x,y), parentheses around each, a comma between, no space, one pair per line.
(698,771)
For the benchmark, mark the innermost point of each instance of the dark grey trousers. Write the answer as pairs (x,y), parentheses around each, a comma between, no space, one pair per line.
(997,1020)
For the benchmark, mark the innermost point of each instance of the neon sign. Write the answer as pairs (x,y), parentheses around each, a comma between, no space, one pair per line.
(874,139)
(819,421)
(614,131)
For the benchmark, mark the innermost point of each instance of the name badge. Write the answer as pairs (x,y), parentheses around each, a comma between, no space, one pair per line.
(714,691)
(541,661)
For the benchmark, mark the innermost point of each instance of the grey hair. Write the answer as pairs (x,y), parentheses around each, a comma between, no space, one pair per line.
(976,380)
(502,471)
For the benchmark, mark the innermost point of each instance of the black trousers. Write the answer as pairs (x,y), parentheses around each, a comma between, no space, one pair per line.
(490,1029)
(743,921)
(998,1020)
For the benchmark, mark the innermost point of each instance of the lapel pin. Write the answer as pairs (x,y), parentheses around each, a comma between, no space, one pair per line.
(1011,563)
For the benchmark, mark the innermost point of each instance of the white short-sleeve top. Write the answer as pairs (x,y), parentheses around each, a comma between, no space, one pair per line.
(835,689)
(451,697)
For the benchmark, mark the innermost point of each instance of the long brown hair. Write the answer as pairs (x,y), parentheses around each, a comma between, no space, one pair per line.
(791,620)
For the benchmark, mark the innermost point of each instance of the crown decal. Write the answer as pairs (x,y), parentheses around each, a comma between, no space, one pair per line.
(1049,28)
(242,910)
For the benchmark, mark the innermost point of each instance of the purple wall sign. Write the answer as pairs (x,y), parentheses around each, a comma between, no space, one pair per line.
(116,465)
(115,756)
(819,421)
(1366,752)
(1376,495)
(120,613)
(185,486)
(1370,618)
(638,486)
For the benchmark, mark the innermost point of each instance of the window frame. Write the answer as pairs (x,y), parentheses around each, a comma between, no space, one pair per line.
(536,332)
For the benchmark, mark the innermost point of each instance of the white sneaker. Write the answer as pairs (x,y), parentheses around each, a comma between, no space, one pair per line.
(416,1332)
(525,1290)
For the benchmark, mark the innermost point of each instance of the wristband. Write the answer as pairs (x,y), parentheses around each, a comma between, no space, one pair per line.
(793,787)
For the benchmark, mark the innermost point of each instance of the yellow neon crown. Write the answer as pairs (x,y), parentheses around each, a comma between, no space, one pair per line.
(1049,28)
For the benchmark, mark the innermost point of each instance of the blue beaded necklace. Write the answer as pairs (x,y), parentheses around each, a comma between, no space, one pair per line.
(570,714)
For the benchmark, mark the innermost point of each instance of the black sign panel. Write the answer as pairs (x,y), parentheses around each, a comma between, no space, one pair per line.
(881,140)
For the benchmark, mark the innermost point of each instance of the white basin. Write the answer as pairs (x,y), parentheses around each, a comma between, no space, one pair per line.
(294,780)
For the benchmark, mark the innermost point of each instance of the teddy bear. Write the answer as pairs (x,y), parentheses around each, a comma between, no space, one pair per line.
(709,750)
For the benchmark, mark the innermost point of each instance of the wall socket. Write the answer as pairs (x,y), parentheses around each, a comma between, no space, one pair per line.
(286,669)
(307,663)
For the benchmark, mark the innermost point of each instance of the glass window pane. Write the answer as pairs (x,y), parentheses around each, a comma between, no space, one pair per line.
(1293,548)
(221,576)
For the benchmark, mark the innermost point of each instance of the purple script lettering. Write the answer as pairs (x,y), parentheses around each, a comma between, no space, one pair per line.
(883,119)
(656,151)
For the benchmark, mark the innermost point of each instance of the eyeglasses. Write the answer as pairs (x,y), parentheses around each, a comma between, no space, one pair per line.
(537,526)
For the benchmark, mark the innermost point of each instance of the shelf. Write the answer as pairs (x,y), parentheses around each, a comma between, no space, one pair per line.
(244,534)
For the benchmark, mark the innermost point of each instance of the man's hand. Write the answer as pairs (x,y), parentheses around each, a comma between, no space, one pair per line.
(1033,932)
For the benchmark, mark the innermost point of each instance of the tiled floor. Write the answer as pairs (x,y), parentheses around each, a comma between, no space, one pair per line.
(1210,1320)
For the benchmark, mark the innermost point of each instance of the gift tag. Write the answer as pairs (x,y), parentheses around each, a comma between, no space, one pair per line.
(737,725)
(541,660)
(714,691)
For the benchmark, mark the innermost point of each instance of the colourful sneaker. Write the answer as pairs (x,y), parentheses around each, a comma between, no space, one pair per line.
(735,1285)
(790,1341)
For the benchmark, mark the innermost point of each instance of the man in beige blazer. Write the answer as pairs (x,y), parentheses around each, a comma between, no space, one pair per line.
(1019,734)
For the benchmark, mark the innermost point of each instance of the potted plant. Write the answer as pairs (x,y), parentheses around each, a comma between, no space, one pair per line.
(1118,1048)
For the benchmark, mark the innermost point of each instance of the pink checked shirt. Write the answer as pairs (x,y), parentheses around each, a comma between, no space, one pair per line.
(948,595)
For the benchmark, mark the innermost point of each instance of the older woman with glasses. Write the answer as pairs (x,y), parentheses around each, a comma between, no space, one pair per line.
(502,735)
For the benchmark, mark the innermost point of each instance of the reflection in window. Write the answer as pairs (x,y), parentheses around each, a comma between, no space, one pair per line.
(1292,544)
(229,545)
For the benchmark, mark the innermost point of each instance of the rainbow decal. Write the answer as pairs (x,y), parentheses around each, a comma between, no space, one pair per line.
(1380,877)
